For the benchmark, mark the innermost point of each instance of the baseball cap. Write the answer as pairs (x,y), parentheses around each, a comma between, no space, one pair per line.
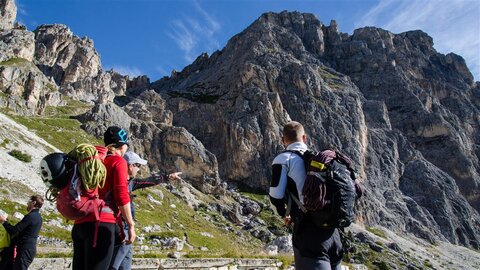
(115,136)
(132,158)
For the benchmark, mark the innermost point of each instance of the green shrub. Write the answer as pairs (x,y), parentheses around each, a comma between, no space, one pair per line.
(4,143)
(20,156)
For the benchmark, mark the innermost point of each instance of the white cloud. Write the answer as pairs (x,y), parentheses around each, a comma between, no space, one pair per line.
(130,71)
(454,25)
(196,34)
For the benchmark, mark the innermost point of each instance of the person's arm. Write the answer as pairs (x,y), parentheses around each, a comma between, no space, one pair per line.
(278,186)
(19,227)
(155,180)
(127,216)
(148,182)
(122,197)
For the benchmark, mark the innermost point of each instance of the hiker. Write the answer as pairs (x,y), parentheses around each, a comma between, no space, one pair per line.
(86,255)
(24,235)
(314,248)
(122,256)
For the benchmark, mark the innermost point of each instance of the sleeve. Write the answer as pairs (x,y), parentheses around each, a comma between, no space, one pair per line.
(121,195)
(19,227)
(278,185)
(148,182)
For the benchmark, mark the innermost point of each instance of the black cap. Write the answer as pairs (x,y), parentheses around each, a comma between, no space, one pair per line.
(115,136)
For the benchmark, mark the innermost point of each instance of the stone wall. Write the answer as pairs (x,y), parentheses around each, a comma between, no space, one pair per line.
(179,264)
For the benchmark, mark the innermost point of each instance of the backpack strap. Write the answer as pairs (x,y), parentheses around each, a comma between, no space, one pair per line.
(290,195)
(296,200)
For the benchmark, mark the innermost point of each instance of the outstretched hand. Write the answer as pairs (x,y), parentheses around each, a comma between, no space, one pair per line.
(174,177)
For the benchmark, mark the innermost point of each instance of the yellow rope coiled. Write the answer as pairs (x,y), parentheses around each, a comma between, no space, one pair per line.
(90,166)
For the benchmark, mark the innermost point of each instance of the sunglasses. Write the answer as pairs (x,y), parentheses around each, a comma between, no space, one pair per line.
(136,165)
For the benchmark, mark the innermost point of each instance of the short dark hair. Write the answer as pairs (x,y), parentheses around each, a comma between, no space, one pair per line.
(38,199)
(293,131)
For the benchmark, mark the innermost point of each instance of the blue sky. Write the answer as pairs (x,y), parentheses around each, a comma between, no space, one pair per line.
(153,37)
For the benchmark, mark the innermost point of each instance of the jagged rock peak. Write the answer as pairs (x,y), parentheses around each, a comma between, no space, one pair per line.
(64,56)
(8,14)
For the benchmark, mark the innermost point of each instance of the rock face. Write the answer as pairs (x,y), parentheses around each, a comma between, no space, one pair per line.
(24,89)
(75,65)
(16,43)
(406,114)
(66,57)
(8,14)
(169,149)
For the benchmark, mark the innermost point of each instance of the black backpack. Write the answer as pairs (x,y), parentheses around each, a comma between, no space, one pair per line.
(330,191)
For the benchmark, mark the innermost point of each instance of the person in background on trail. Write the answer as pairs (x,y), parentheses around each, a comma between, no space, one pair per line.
(122,257)
(25,234)
(116,196)
(314,248)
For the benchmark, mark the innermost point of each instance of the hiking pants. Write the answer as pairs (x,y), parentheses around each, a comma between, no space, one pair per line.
(305,263)
(122,259)
(25,255)
(85,256)
(122,254)
(317,249)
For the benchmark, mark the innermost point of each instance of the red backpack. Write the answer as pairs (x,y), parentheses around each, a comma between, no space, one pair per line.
(77,196)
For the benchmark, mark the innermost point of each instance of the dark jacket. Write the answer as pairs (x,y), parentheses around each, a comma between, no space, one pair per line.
(134,184)
(26,231)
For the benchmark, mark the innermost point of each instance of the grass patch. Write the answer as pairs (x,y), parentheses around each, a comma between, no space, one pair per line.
(377,232)
(14,61)
(259,198)
(200,98)
(20,156)
(52,88)
(286,260)
(183,219)
(55,255)
(72,107)
(63,133)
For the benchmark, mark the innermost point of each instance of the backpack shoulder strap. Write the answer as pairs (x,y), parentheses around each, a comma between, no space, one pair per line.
(296,200)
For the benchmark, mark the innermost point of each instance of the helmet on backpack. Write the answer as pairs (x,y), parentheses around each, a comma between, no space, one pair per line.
(55,170)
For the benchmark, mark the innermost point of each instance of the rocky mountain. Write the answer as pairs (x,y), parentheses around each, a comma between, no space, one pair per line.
(406,114)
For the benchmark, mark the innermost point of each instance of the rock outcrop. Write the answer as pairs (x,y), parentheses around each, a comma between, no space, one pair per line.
(16,43)
(8,14)
(24,89)
(169,149)
(75,65)
(64,56)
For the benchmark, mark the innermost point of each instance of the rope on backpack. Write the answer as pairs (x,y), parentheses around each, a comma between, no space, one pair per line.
(91,169)
(314,195)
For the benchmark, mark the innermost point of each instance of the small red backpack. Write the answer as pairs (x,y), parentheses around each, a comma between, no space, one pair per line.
(75,186)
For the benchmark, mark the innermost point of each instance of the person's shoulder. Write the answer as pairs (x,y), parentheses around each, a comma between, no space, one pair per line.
(281,157)
(115,159)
